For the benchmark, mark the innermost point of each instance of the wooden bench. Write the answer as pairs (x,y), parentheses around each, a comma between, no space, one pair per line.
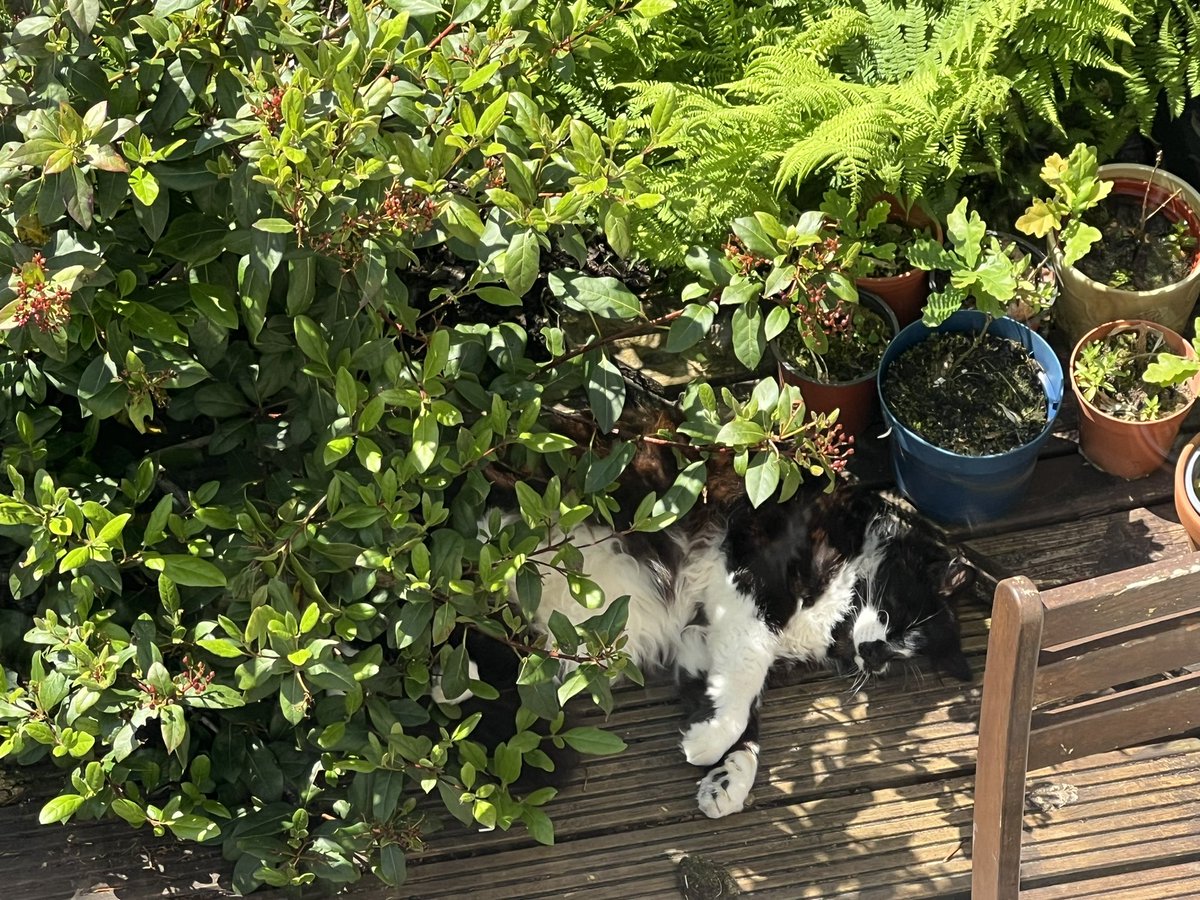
(1079,670)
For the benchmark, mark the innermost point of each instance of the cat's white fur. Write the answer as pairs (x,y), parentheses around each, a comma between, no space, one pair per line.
(661,631)
(723,791)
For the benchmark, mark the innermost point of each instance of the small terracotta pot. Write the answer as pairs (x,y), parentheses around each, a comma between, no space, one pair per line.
(857,400)
(1187,503)
(905,293)
(1120,447)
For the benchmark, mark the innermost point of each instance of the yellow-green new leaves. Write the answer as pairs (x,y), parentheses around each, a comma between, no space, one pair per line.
(1077,188)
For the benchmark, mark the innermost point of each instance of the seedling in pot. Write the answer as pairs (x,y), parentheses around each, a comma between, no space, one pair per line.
(999,277)
(972,393)
(852,341)
(1120,240)
(1130,374)
(777,278)
(876,246)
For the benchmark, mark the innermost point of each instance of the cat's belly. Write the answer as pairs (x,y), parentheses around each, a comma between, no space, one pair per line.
(657,631)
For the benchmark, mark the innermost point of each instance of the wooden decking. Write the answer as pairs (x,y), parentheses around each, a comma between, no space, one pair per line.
(862,794)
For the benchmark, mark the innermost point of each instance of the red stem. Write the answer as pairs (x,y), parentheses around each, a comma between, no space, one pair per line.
(432,45)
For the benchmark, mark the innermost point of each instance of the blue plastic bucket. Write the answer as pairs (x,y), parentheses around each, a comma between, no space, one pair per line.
(955,488)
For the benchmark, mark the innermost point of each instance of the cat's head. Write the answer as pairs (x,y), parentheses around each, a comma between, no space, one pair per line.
(905,605)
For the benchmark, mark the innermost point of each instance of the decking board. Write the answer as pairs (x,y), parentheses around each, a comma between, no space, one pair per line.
(916,836)
(1163,883)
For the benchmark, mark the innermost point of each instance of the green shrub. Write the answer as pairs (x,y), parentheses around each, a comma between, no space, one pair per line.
(286,278)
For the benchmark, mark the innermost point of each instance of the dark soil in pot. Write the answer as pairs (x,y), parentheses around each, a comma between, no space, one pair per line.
(857,337)
(1136,258)
(969,394)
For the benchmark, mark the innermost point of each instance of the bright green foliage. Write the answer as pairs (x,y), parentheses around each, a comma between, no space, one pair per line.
(874,240)
(1170,369)
(1077,188)
(777,444)
(777,277)
(909,97)
(286,278)
(981,268)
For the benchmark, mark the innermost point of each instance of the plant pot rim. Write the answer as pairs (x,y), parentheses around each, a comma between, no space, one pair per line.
(1051,413)
(1139,176)
(1189,460)
(886,281)
(879,308)
(1015,238)
(1107,327)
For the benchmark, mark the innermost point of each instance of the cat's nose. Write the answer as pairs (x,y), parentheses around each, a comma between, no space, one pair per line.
(875,655)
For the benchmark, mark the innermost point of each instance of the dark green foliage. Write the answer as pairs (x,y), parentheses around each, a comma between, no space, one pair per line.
(286,279)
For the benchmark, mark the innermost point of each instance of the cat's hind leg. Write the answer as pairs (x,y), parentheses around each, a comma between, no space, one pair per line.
(724,789)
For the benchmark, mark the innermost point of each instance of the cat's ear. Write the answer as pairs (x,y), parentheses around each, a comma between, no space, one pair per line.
(958,575)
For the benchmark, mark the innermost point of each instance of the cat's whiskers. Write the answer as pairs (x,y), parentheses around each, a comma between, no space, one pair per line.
(913,668)
(860,682)
(921,622)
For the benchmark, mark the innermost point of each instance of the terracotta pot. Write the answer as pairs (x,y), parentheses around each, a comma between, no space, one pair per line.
(1187,503)
(905,293)
(1120,447)
(857,400)
(1083,303)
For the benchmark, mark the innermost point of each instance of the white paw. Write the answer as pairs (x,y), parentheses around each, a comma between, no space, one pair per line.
(439,696)
(706,742)
(723,791)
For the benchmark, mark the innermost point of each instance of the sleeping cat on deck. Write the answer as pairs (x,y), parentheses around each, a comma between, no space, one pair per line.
(843,578)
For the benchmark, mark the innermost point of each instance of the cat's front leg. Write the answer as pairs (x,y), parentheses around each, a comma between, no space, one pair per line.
(723,791)
(741,654)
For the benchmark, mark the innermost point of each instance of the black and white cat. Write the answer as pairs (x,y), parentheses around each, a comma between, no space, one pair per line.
(842,578)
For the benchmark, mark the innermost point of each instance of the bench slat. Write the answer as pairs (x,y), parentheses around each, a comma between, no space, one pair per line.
(1168,707)
(1125,598)
(1118,656)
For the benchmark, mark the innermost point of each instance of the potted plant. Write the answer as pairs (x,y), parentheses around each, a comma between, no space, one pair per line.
(1124,241)
(1187,490)
(790,291)
(878,239)
(832,354)
(1001,274)
(1135,381)
(969,395)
